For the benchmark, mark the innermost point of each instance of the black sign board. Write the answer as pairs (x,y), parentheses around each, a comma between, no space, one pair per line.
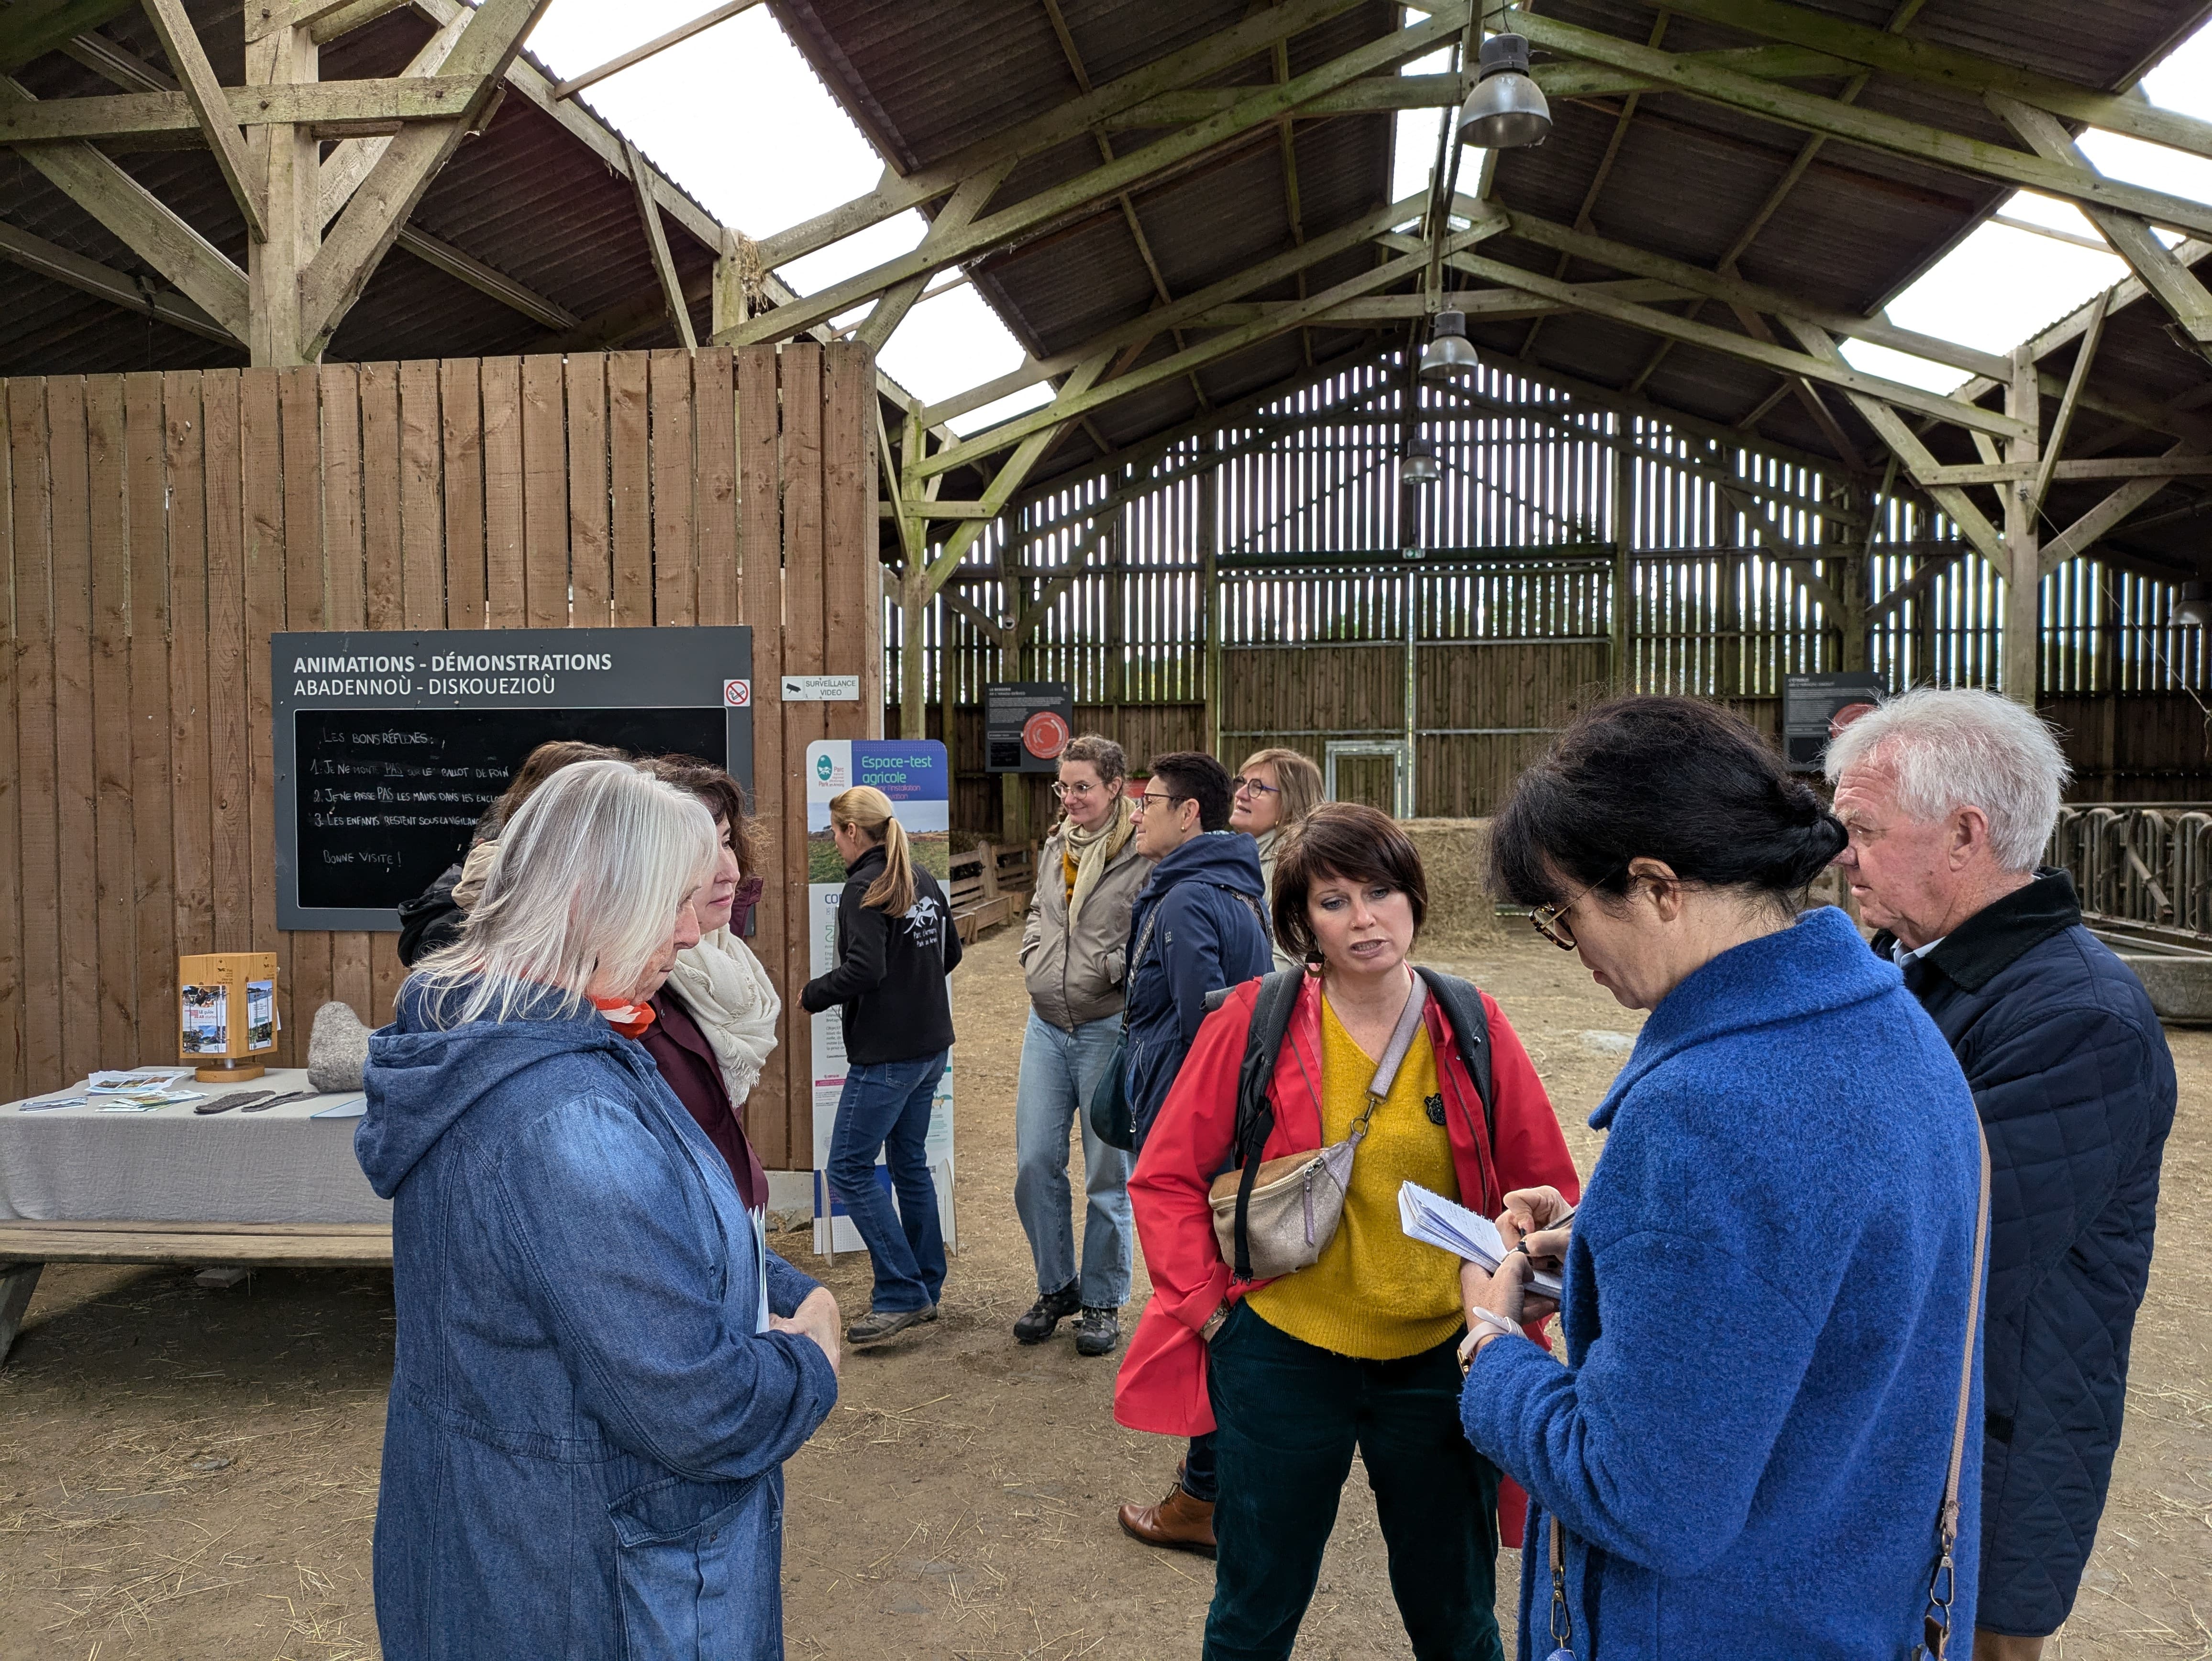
(390,745)
(1026,724)
(1811,706)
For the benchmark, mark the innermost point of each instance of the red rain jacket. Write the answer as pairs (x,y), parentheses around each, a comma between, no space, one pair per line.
(1162,1386)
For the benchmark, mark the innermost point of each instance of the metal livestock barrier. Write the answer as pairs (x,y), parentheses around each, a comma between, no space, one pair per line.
(2147,863)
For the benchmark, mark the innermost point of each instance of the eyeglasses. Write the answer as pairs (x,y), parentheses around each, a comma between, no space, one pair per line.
(1254,788)
(1079,791)
(1148,800)
(1551,920)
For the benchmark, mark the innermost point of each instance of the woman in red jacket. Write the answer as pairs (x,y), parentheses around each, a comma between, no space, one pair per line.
(1355,1351)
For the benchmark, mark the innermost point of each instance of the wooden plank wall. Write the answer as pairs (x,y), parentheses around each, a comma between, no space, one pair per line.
(155,530)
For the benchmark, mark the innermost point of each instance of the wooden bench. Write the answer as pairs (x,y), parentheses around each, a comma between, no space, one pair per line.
(25,1248)
(990,885)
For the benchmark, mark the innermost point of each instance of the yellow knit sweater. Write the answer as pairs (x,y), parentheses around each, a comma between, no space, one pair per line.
(1374,1293)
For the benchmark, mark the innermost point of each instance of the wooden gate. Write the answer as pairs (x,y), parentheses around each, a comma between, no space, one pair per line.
(155,530)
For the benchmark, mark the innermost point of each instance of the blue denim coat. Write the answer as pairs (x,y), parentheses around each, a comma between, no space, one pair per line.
(583,1449)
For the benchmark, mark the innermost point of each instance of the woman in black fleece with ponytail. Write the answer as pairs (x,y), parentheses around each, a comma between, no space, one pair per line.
(895,945)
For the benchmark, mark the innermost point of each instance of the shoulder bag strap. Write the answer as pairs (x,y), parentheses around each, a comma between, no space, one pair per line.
(1272,1008)
(1944,1584)
(1470,1024)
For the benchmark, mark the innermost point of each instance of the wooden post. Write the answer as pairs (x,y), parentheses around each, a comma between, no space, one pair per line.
(914,663)
(2023,553)
(288,159)
(730,308)
(1620,669)
(1209,588)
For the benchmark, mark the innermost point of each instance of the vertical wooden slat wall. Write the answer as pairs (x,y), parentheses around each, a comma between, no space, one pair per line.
(156,529)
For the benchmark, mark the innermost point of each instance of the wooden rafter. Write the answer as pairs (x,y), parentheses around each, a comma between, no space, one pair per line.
(156,120)
(653,48)
(1872,129)
(349,163)
(1019,428)
(1070,119)
(210,105)
(49,259)
(1163,157)
(340,270)
(2068,400)
(2131,236)
(194,267)
(1953,69)
(1185,311)
(1665,323)
(656,242)
(970,199)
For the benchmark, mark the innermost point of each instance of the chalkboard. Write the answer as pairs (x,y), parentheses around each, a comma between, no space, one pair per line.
(386,798)
(389,745)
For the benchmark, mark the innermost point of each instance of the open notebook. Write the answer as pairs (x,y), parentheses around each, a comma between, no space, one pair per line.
(1439,1222)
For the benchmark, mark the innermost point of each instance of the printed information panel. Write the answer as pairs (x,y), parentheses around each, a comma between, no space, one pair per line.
(1816,707)
(916,778)
(1026,724)
(389,746)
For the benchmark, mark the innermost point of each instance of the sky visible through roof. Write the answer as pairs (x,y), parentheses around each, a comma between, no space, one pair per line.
(739,118)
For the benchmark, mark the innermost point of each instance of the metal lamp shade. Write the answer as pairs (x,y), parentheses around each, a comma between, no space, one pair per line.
(1449,352)
(1419,466)
(2192,607)
(1506,110)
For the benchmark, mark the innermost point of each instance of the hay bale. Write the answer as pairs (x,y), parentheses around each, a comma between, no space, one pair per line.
(1455,856)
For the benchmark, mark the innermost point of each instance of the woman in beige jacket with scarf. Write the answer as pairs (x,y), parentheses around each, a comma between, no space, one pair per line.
(1074,961)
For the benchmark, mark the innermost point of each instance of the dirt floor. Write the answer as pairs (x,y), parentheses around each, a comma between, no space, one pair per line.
(191,1474)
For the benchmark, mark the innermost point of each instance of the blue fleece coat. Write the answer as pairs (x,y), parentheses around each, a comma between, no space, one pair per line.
(1765,1312)
(1203,903)
(2075,1087)
(583,1448)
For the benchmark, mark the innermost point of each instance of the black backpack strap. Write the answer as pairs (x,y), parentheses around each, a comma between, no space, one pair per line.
(1256,1114)
(1470,1024)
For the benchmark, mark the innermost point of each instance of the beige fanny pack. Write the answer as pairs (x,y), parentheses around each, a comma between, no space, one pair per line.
(1290,1206)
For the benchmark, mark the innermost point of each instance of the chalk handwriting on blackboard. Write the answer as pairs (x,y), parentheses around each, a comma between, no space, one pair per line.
(385,803)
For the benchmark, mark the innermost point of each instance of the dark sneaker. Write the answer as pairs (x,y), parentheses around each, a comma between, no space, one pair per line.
(1045,1314)
(1100,1331)
(878,1324)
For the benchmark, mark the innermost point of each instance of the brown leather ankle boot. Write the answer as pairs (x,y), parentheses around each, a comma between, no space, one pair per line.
(1178,1522)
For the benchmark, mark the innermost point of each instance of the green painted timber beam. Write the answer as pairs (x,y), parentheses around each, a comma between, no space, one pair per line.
(1871,129)
(1125,173)
(1948,67)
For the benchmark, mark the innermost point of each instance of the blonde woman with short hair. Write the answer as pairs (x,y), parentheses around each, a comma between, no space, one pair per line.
(601,1370)
(895,945)
(1275,790)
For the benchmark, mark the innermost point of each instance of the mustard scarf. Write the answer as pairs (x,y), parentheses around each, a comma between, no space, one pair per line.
(1095,850)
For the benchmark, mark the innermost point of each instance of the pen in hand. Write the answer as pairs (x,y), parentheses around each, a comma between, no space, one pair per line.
(1560,1221)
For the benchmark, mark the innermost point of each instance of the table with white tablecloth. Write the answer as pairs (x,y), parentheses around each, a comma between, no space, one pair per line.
(96,1183)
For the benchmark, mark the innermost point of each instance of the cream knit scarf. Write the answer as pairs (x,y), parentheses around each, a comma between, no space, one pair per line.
(734,1003)
(1094,851)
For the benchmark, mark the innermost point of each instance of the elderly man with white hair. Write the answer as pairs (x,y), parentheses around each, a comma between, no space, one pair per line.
(1949,797)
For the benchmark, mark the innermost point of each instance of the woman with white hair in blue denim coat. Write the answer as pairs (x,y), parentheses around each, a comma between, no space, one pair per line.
(601,1367)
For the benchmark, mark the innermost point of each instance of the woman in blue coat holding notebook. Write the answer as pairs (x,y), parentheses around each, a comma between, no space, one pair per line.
(1751,1457)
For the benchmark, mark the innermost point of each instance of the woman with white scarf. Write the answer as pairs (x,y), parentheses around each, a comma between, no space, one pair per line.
(713,1026)
(1074,963)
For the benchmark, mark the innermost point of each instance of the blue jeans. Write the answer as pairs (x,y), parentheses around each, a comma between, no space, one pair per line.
(885,1105)
(1059,1071)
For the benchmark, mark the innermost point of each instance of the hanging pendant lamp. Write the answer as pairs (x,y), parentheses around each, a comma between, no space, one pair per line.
(1449,352)
(1506,110)
(1418,465)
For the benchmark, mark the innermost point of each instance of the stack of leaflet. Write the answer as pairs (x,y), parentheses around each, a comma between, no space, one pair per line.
(1436,1220)
(140,1090)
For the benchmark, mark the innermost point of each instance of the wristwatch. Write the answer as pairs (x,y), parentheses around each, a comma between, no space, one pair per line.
(1213,1322)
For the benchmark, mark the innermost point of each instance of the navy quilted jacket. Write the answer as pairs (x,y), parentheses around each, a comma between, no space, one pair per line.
(2075,1088)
